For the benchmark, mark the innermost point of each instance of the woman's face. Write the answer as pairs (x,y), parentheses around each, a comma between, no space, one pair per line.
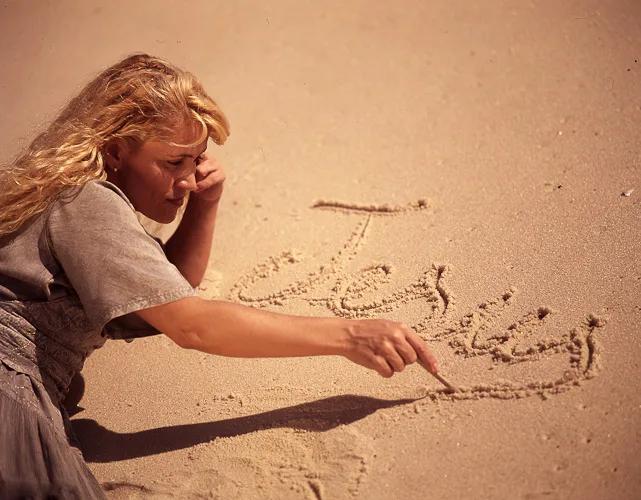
(157,176)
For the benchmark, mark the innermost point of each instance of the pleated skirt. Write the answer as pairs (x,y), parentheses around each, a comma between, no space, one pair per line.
(39,454)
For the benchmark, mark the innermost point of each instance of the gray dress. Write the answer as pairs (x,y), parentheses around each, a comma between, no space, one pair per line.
(69,281)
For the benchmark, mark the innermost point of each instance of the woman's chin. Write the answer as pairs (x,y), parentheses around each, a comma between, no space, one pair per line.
(166,216)
(167,219)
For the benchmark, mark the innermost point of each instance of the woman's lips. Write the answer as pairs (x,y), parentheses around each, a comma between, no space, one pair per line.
(176,201)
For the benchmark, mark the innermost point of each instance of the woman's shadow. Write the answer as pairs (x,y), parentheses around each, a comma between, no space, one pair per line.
(99,444)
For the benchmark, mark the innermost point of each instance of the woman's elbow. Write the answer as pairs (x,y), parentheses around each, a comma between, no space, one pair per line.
(187,338)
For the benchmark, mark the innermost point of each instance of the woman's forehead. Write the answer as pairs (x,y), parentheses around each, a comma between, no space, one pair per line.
(185,141)
(187,133)
(176,150)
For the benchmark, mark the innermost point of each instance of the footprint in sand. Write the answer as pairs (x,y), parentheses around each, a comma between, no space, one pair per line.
(273,464)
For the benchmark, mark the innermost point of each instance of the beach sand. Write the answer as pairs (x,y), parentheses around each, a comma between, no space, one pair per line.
(470,168)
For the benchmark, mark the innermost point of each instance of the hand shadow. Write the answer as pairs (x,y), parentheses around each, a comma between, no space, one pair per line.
(99,444)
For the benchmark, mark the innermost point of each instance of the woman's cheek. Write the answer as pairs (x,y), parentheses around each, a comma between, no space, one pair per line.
(164,180)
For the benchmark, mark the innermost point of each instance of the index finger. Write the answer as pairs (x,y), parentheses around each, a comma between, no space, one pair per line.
(208,168)
(424,354)
(205,181)
(207,164)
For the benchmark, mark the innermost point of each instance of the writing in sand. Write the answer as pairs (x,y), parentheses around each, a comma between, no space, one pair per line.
(471,335)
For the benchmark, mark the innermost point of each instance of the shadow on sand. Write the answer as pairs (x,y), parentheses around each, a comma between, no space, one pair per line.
(99,444)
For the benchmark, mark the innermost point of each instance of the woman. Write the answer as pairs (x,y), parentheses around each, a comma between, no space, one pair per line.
(77,268)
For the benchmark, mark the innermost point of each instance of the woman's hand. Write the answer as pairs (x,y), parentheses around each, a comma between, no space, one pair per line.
(386,346)
(210,177)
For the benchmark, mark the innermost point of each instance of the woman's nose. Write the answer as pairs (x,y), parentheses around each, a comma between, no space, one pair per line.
(188,183)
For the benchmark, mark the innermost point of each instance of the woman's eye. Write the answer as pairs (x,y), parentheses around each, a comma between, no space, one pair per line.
(176,163)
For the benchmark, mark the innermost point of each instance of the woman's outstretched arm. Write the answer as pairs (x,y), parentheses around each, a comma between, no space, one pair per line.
(230,329)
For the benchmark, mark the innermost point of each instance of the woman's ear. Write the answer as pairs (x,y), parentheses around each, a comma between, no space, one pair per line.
(116,152)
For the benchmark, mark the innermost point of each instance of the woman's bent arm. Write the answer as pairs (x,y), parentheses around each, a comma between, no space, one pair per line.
(189,247)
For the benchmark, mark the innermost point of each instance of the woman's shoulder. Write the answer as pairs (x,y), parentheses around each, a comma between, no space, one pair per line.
(94,193)
(98,202)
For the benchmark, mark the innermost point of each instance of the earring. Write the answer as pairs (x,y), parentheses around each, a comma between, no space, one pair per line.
(115,169)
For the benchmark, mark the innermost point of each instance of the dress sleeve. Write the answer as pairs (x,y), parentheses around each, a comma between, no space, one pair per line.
(110,261)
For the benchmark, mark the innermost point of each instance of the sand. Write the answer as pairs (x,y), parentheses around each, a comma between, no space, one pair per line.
(469,168)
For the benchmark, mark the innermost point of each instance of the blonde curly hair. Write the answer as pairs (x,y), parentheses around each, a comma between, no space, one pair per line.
(141,98)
